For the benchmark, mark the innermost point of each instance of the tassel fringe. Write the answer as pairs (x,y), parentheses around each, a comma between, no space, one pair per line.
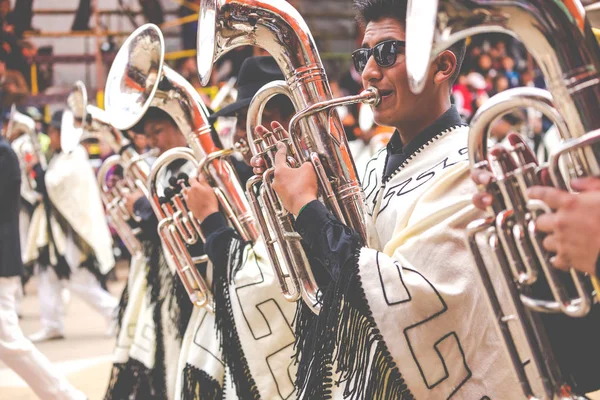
(198,385)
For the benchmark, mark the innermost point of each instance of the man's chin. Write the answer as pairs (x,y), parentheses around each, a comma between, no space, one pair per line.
(384,120)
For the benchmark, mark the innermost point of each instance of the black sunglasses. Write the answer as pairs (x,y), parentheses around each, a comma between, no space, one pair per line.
(385,54)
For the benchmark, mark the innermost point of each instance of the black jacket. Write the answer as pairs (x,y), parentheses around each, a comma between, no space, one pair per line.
(11,263)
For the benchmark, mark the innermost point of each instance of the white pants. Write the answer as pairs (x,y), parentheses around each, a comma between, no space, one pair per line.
(84,284)
(24,221)
(22,356)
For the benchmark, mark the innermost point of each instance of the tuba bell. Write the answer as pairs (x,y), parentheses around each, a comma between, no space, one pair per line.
(316,134)
(560,39)
(139,79)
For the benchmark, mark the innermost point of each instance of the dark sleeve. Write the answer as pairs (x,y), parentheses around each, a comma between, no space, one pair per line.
(598,268)
(218,235)
(329,243)
(10,173)
(40,182)
(143,209)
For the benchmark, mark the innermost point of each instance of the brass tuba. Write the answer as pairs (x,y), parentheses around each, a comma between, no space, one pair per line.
(316,134)
(139,79)
(560,38)
(94,123)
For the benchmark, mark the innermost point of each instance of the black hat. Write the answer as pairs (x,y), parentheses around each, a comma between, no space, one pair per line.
(255,72)
(57,119)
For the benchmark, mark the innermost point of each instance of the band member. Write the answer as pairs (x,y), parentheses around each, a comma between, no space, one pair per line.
(157,316)
(573,340)
(15,350)
(253,318)
(406,317)
(21,143)
(69,236)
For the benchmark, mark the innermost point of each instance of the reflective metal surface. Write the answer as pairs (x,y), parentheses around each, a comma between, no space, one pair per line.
(278,28)
(178,228)
(140,73)
(515,246)
(556,33)
(561,41)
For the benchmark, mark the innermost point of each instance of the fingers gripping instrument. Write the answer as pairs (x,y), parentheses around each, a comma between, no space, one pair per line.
(277,27)
(560,39)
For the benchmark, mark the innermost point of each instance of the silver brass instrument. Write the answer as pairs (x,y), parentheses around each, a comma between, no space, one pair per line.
(94,123)
(226,95)
(139,79)
(19,125)
(560,39)
(317,134)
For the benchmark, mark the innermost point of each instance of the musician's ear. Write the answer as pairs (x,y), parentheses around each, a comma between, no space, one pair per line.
(445,64)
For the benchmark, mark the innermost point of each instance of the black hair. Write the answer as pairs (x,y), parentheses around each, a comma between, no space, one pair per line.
(375,10)
(155,114)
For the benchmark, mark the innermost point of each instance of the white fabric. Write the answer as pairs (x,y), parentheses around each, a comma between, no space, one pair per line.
(140,334)
(22,146)
(363,152)
(84,284)
(423,287)
(24,222)
(72,188)
(263,319)
(136,288)
(37,237)
(23,357)
(200,349)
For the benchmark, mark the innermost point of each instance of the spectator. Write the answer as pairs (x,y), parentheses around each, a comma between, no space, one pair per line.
(501,83)
(478,87)
(508,65)
(16,51)
(463,98)
(21,17)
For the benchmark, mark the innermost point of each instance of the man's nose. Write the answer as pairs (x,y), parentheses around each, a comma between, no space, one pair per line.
(372,71)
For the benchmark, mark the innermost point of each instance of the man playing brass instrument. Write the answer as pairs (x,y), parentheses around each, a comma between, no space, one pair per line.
(572,230)
(252,315)
(572,233)
(408,317)
(158,312)
(68,236)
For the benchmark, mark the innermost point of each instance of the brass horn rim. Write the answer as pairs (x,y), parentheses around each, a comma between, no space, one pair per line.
(205,48)
(70,140)
(80,87)
(418,56)
(119,118)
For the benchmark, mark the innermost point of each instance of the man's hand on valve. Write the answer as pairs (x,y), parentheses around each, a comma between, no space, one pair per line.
(296,187)
(200,198)
(574,228)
